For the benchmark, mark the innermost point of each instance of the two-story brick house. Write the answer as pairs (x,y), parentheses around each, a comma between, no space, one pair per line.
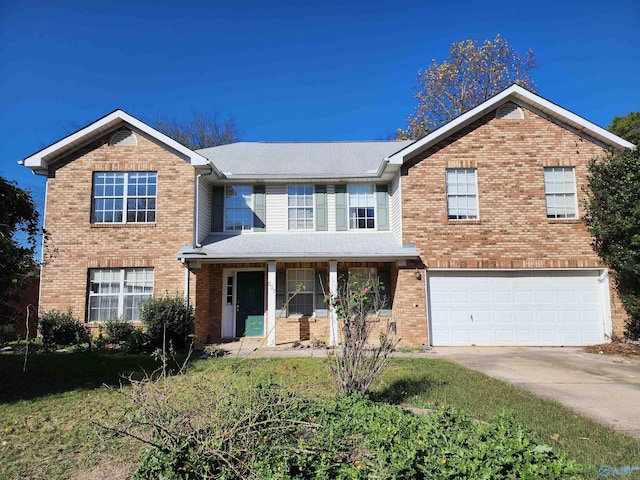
(475,230)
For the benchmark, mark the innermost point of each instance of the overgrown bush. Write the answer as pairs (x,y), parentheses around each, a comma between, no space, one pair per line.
(261,432)
(61,328)
(613,218)
(118,330)
(137,342)
(167,319)
(358,362)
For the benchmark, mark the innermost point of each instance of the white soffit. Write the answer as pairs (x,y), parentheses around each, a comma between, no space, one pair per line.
(40,160)
(519,95)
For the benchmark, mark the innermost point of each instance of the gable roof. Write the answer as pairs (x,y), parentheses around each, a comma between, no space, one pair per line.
(39,161)
(288,160)
(519,96)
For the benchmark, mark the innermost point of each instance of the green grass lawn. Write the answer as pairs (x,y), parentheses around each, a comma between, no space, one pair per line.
(45,432)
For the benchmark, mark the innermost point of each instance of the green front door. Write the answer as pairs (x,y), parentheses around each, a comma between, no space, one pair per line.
(250,304)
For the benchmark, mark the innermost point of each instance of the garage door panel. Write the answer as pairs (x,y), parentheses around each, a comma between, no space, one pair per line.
(547,336)
(521,297)
(481,297)
(516,308)
(544,296)
(483,337)
(503,316)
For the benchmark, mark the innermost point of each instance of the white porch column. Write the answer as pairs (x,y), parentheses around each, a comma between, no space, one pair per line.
(271,304)
(333,316)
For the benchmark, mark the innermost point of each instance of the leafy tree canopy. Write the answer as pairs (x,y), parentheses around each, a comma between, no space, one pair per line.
(18,232)
(471,74)
(627,127)
(201,131)
(613,218)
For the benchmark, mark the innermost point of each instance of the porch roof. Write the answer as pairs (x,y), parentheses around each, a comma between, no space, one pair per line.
(300,246)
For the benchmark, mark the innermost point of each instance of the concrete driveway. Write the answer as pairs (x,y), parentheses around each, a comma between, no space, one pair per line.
(606,388)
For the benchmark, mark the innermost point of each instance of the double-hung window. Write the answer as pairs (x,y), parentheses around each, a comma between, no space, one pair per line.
(118,292)
(305,291)
(238,208)
(379,276)
(462,194)
(300,206)
(362,203)
(124,197)
(560,191)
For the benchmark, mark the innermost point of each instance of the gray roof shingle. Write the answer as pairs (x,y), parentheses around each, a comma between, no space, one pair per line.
(302,159)
(286,246)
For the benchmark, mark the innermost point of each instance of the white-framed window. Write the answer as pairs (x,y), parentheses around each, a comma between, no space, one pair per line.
(462,194)
(300,206)
(560,192)
(382,276)
(124,197)
(300,290)
(306,289)
(362,206)
(238,208)
(362,274)
(118,292)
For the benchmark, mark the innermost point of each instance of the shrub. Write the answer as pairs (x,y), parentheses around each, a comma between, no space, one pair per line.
(170,317)
(61,328)
(118,330)
(358,362)
(613,218)
(262,432)
(137,342)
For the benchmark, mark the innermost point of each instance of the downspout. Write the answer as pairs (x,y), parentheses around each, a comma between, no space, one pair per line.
(186,282)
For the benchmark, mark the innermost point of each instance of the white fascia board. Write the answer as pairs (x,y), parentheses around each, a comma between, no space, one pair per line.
(40,160)
(571,118)
(524,96)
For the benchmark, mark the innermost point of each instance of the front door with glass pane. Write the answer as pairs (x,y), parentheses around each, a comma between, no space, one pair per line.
(249,305)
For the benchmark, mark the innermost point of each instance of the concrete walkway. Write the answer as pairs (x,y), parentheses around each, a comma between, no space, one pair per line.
(606,388)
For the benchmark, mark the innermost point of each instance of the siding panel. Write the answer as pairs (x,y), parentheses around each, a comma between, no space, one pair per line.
(395,208)
(276,197)
(204,210)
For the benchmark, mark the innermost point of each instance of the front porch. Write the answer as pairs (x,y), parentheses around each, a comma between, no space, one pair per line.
(274,286)
(280,302)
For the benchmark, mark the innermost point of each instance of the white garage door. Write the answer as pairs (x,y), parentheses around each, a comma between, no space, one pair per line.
(516,308)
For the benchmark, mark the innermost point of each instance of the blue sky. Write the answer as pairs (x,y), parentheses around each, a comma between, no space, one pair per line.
(286,70)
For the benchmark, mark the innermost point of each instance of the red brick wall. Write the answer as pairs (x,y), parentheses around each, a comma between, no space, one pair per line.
(78,245)
(512,230)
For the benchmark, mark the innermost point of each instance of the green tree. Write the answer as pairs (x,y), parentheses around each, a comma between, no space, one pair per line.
(627,127)
(200,132)
(613,218)
(18,232)
(471,74)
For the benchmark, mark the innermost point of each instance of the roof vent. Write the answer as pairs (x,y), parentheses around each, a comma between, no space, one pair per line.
(509,111)
(123,138)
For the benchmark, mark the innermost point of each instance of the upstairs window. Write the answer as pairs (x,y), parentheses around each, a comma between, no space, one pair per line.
(560,191)
(124,197)
(238,208)
(362,203)
(462,194)
(300,206)
(118,292)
